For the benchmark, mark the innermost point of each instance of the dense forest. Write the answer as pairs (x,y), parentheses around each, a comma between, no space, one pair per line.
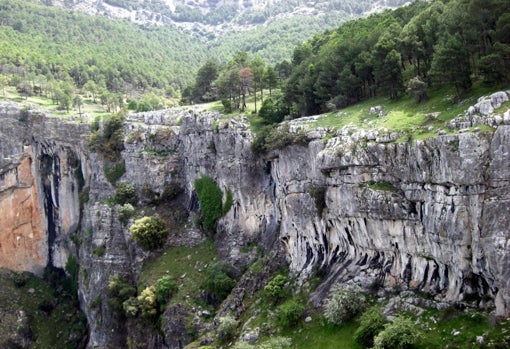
(46,49)
(411,49)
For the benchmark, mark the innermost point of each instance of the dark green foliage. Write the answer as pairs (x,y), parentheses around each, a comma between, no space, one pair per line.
(318,193)
(455,42)
(290,312)
(119,290)
(113,172)
(149,232)
(114,54)
(272,111)
(99,251)
(227,328)
(210,199)
(165,289)
(171,191)
(271,138)
(125,193)
(219,280)
(370,324)
(275,289)
(72,269)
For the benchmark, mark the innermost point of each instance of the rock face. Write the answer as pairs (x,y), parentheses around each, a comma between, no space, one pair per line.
(431,215)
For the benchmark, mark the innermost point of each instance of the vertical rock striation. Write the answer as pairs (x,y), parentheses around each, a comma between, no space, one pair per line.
(431,215)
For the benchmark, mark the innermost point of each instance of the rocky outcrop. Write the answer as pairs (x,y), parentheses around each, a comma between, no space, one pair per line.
(430,215)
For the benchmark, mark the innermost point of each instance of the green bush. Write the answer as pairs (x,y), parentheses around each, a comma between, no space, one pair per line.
(210,199)
(272,111)
(290,312)
(402,333)
(149,232)
(114,171)
(271,138)
(275,289)
(227,328)
(131,307)
(148,302)
(108,141)
(165,289)
(125,193)
(344,303)
(119,290)
(125,212)
(219,280)
(371,323)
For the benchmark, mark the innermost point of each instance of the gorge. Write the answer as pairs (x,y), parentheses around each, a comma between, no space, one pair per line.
(353,205)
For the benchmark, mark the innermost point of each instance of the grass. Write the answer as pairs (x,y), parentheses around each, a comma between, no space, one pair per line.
(89,108)
(317,335)
(404,114)
(186,266)
(53,319)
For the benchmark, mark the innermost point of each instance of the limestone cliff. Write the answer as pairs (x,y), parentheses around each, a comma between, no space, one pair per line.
(431,214)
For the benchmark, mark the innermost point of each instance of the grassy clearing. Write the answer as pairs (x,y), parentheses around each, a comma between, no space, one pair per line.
(89,109)
(186,266)
(404,114)
(324,336)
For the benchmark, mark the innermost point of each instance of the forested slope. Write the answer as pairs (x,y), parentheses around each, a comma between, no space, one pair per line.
(56,44)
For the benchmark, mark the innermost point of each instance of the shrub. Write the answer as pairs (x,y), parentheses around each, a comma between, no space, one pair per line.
(400,334)
(270,138)
(371,323)
(227,328)
(131,307)
(290,312)
(149,232)
(148,303)
(126,194)
(114,171)
(275,289)
(109,141)
(219,280)
(125,212)
(165,289)
(119,290)
(344,303)
(271,111)
(210,199)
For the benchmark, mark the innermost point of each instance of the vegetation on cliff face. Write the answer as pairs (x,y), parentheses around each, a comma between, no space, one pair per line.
(39,313)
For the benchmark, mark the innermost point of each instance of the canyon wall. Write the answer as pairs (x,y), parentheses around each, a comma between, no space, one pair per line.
(430,214)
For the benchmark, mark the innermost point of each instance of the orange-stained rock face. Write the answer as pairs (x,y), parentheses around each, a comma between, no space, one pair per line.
(23,240)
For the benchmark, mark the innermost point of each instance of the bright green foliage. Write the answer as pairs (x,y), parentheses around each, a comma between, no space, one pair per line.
(227,328)
(148,303)
(165,289)
(370,324)
(210,199)
(219,280)
(276,343)
(275,289)
(149,232)
(344,303)
(126,194)
(400,334)
(290,312)
(119,290)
